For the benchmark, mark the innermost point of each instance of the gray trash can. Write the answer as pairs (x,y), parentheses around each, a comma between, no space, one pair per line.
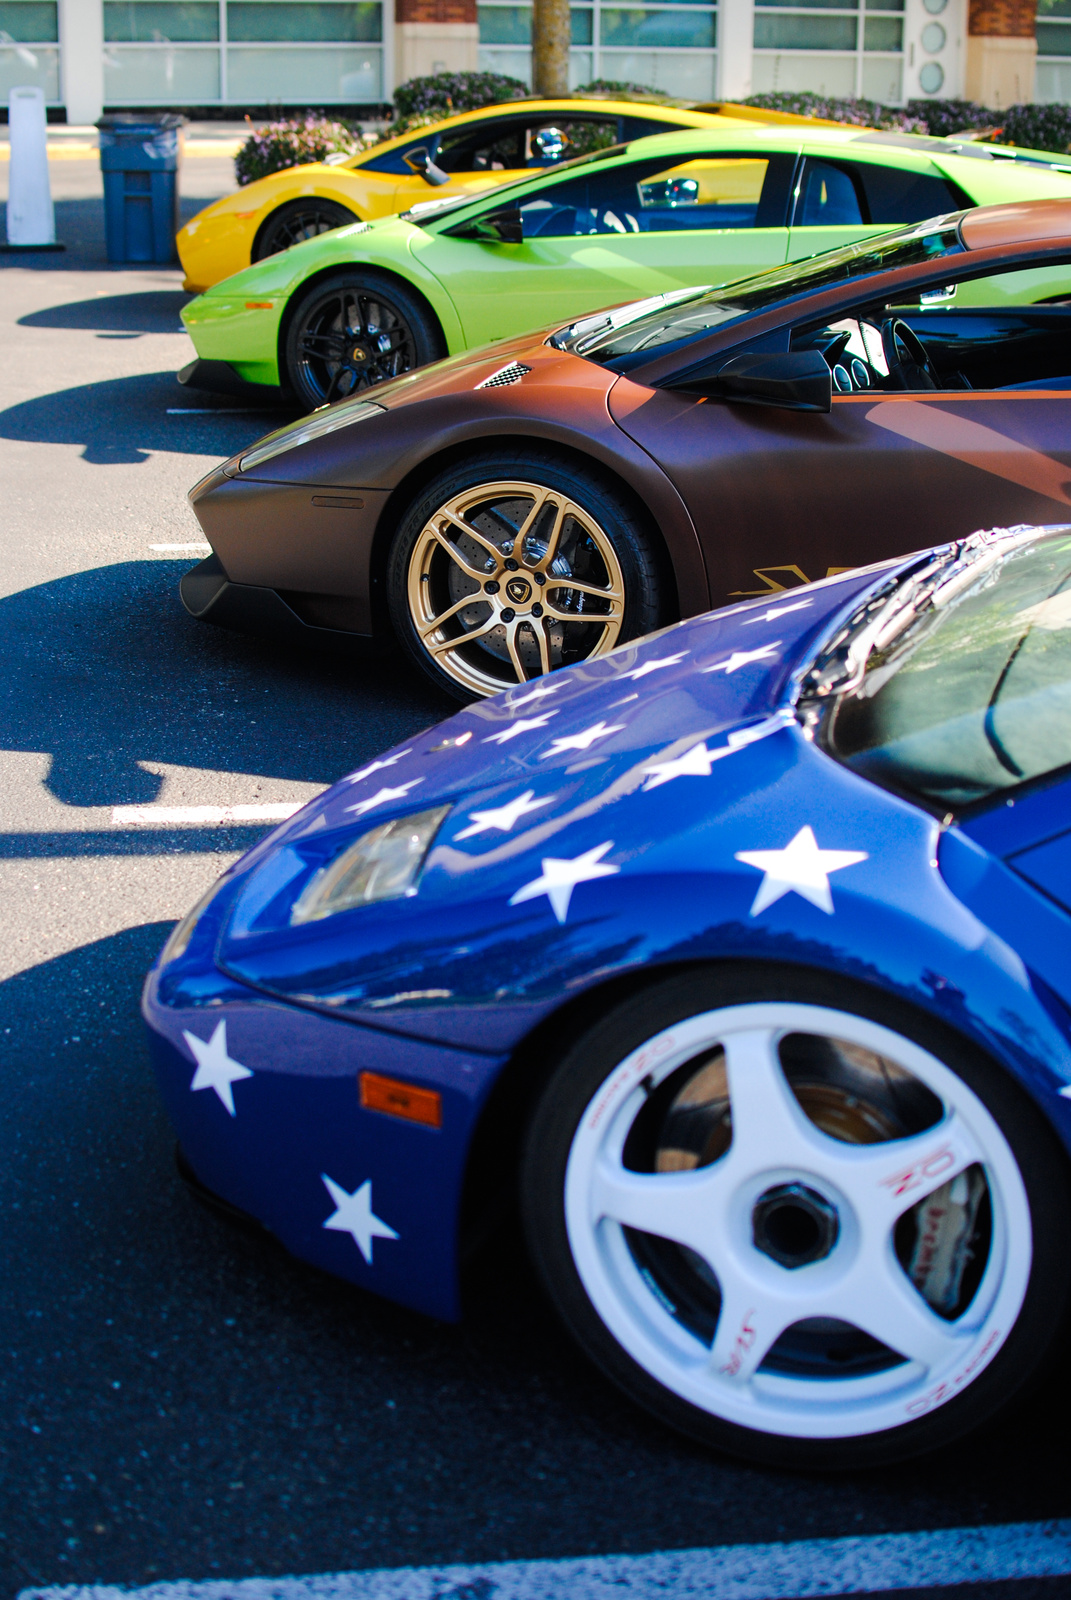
(140,158)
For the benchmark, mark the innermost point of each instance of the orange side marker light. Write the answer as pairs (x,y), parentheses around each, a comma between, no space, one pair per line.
(398,1099)
(260,305)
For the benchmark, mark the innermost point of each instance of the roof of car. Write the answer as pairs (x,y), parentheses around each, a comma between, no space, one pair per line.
(1025,222)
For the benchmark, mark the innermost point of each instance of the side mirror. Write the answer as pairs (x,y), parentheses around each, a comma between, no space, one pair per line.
(419,160)
(499,227)
(792,380)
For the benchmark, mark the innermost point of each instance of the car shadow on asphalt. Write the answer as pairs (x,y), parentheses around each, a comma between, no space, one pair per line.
(125,315)
(105,671)
(126,420)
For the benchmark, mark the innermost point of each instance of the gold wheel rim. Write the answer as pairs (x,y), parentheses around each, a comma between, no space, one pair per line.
(510,580)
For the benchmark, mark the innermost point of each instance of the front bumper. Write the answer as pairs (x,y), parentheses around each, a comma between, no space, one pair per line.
(298,1121)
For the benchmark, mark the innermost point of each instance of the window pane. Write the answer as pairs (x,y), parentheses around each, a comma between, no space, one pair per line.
(828,198)
(580,26)
(159,21)
(40,72)
(881,79)
(1054,39)
(303,21)
(819,74)
(885,5)
(138,77)
(810,5)
(883,33)
(691,77)
(1053,8)
(32,22)
(787,32)
(345,77)
(505,24)
(690,29)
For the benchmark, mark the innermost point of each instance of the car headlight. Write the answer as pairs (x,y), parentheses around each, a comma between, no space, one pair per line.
(328,420)
(381,865)
(182,932)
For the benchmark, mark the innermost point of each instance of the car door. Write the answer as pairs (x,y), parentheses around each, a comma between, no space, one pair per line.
(782,497)
(605,235)
(836,201)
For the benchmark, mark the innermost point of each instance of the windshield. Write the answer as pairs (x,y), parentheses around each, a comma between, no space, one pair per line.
(426,211)
(974,696)
(637,329)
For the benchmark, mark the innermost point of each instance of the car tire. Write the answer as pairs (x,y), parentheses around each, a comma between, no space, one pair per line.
(353,330)
(477,617)
(833,1164)
(294,223)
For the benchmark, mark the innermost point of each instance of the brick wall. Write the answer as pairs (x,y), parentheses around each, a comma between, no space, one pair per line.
(439,11)
(1001,19)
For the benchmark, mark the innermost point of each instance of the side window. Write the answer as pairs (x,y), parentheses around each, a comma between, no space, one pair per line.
(646,197)
(495,146)
(827,198)
(895,196)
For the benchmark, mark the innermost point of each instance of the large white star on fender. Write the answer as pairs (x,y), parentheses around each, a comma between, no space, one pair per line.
(353,1214)
(215,1068)
(800,868)
(742,658)
(560,878)
(522,725)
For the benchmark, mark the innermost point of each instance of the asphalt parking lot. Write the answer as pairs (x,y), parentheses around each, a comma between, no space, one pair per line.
(178,1399)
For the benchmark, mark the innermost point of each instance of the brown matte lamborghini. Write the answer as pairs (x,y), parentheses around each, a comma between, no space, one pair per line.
(532,504)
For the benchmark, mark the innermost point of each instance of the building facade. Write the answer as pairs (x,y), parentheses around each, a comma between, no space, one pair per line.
(91,54)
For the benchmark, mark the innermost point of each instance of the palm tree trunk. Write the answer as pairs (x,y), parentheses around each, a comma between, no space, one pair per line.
(550,47)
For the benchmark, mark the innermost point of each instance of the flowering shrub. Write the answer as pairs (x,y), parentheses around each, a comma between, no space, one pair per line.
(615,89)
(943,117)
(294,141)
(862,113)
(444,94)
(1036,127)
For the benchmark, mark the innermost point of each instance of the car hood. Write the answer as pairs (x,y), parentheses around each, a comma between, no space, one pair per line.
(581,747)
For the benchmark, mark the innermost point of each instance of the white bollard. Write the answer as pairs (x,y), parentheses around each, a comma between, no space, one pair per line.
(31,220)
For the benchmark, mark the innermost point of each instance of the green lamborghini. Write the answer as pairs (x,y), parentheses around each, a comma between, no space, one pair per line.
(347,309)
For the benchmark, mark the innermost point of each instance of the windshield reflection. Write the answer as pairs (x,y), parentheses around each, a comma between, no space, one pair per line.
(624,338)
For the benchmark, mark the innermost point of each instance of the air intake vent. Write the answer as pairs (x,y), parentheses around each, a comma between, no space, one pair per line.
(505,376)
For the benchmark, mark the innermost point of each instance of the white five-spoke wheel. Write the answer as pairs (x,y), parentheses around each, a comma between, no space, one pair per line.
(505,570)
(792,1228)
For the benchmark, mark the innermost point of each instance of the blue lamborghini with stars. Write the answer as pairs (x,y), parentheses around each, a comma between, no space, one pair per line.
(742,955)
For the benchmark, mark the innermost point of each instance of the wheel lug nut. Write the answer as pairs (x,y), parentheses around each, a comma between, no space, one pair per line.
(507,614)
(540,578)
(537,610)
(511,564)
(492,587)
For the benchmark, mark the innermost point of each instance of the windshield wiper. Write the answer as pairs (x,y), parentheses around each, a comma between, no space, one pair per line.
(897,606)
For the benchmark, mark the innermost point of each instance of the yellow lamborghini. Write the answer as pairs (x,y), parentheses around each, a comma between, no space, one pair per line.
(461,154)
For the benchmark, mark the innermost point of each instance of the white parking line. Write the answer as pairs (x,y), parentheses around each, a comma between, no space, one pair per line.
(202,816)
(733,1572)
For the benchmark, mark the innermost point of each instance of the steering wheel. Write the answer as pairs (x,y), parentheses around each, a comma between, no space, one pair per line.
(909,365)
